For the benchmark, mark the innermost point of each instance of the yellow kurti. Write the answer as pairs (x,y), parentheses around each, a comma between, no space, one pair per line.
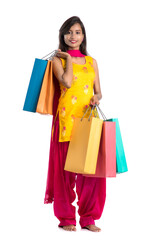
(74,101)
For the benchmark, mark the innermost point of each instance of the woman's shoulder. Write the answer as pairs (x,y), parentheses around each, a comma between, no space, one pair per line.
(58,60)
(93,60)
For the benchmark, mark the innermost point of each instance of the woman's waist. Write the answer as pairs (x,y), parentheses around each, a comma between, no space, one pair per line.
(75,98)
(72,113)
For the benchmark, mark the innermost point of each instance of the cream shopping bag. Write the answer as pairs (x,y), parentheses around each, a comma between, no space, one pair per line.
(84,145)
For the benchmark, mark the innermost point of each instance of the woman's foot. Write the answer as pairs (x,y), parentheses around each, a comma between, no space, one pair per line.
(69,228)
(93,228)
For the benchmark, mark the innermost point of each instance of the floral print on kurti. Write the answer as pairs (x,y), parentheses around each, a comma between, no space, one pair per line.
(86,89)
(74,101)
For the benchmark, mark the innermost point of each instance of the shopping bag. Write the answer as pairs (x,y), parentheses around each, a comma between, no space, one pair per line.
(84,145)
(106,163)
(45,101)
(121,164)
(35,84)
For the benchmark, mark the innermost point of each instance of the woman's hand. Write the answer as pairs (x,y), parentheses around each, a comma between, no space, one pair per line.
(61,54)
(94,100)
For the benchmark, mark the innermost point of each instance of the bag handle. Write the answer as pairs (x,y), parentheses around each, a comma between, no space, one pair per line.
(104,117)
(52,54)
(91,113)
(87,111)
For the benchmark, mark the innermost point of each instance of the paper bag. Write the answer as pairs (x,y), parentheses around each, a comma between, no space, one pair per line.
(45,101)
(35,84)
(84,145)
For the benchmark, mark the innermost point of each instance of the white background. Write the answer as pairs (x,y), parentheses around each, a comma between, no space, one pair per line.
(124,37)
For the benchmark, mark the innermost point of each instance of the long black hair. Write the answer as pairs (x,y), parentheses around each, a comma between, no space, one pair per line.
(65,28)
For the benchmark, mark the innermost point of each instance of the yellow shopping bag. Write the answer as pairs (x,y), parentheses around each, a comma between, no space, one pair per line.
(84,145)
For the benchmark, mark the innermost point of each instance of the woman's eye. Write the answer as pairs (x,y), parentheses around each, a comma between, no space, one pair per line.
(70,32)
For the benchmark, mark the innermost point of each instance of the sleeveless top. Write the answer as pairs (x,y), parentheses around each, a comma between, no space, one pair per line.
(74,101)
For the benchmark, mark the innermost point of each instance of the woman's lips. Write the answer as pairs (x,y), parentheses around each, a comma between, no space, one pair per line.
(73,42)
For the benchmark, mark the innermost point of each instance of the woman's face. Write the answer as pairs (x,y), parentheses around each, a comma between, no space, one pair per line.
(74,37)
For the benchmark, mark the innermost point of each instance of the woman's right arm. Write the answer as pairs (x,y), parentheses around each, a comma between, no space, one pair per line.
(65,77)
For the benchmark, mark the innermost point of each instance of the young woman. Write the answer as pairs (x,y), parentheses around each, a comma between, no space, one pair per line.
(76,78)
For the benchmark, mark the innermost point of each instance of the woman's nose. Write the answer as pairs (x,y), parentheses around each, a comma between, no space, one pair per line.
(73,35)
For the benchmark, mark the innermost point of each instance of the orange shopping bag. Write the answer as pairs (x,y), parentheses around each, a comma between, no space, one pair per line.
(84,145)
(45,101)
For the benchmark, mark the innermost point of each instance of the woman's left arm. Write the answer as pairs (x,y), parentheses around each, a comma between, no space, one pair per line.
(97,89)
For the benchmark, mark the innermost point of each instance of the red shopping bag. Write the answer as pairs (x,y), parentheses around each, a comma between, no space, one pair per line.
(106,163)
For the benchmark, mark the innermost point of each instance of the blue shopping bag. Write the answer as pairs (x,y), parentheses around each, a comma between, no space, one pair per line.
(35,84)
(121,164)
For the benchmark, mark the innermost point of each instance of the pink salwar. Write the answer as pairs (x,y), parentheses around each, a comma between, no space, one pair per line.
(60,185)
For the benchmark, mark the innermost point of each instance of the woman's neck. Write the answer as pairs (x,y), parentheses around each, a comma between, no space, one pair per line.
(75,53)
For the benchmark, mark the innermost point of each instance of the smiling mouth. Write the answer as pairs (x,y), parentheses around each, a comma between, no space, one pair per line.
(73,41)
